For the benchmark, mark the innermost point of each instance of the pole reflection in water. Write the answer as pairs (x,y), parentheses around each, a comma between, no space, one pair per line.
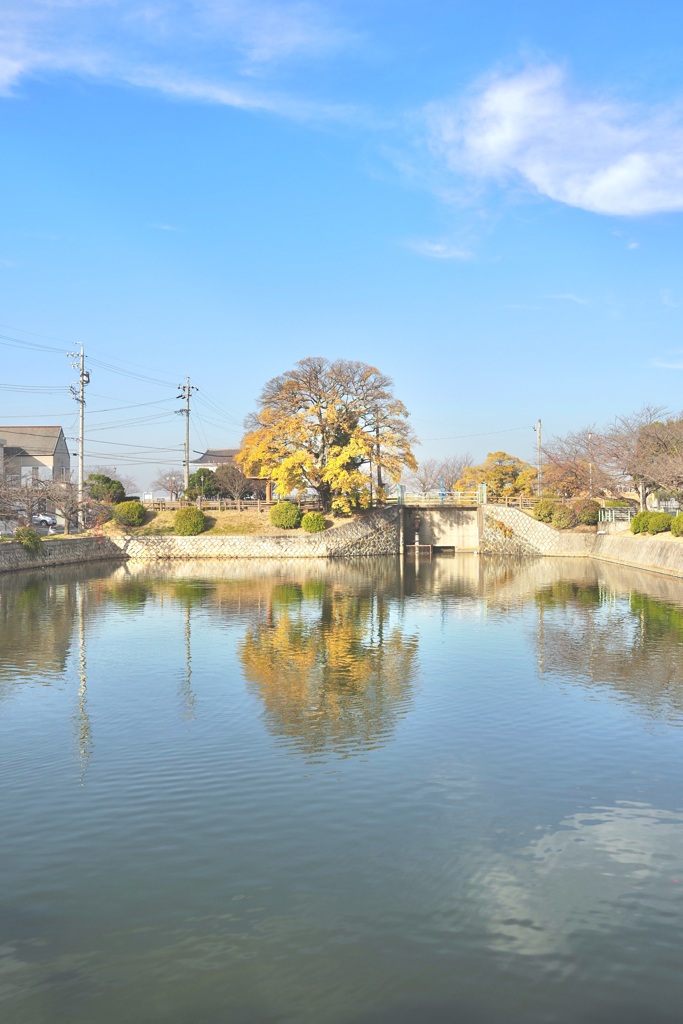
(84,738)
(185,691)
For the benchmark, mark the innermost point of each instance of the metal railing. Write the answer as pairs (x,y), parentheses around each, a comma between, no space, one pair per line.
(616,515)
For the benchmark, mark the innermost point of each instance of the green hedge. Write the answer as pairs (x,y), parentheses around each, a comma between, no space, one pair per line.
(286,515)
(29,539)
(188,522)
(587,511)
(129,513)
(659,522)
(677,525)
(313,522)
(563,518)
(640,521)
(543,509)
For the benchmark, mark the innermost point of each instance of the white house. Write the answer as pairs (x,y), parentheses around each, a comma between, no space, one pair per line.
(34,453)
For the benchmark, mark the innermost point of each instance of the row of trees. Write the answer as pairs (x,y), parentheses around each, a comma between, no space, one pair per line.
(642,452)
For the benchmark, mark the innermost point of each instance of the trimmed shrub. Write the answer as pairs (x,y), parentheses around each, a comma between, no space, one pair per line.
(563,518)
(129,513)
(313,522)
(677,525)
(29,539)
(188,522)
(640,521)
(659,522)
(587,511)
(618,503)
(543,510)
(286,515)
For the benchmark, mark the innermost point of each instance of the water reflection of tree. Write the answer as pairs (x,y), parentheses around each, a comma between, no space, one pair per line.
(630,643)
(332,669)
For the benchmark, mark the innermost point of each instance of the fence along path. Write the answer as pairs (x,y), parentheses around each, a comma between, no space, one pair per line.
(224,504)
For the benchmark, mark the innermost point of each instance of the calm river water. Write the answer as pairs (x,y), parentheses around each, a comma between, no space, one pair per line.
(341,794)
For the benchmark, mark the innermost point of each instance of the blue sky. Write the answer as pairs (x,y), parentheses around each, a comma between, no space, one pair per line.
(481,198)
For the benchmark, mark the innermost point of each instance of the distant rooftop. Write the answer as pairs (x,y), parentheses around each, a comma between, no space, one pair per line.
(30,440)
(213,456)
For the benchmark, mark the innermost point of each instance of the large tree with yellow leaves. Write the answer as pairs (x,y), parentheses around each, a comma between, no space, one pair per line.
(322,425)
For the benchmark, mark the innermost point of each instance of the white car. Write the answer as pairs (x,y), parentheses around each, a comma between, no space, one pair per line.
(44,519)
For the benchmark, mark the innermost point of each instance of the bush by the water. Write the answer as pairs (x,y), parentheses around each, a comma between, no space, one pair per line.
(286,515)
(543,510)
(129,513)
(313,522)
(587,511)
(188,522)
(28,538)
(677,525)
(563,518)
(640,521)
(659,522)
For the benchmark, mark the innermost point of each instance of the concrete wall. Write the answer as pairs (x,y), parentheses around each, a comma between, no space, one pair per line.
(444,527)
(658,554)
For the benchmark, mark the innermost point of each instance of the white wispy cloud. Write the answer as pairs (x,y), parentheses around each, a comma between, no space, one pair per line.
(208,51)
(570,297)
(438,250)
(531,129)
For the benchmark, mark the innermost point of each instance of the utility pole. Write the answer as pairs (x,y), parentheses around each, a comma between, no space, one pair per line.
(186,390)
(379,464)
(78,393)
(539,468)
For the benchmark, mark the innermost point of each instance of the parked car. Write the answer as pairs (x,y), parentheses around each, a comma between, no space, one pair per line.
(44,519)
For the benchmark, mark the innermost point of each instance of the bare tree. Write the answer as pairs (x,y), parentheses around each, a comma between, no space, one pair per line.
(631,446)
(452,468)
(231,480)
(171,480)
(20,501)
(426,477)
(65,500)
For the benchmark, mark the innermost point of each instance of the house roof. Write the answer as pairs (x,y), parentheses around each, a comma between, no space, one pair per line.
(215,456)
(30,440)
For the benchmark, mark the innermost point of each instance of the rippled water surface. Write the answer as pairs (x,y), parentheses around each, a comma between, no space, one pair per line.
(341,793)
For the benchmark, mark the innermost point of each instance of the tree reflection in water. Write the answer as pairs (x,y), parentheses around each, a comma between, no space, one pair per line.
(629,642)
(332,668)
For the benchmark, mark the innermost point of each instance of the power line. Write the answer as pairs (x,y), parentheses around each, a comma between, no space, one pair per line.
(486,433)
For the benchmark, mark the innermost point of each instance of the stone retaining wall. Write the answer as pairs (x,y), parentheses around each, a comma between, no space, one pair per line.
(70,551)
(374,534)
(509,531)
